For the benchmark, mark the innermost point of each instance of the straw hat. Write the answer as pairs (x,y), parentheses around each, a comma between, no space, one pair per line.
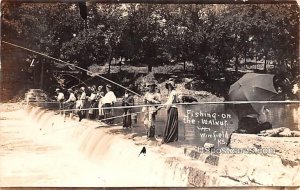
(82,88)
(70,90)
(171,82)
(108,86)
(57,90)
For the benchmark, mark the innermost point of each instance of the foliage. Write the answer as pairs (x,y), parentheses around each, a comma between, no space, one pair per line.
(210,37)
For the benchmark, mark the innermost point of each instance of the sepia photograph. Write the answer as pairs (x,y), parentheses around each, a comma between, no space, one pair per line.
(149,94)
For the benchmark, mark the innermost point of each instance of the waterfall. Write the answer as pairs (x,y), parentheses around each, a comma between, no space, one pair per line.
(115,158)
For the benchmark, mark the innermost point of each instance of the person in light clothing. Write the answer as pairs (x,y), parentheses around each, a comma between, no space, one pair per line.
(151,97)
(71,101)
(92,100)
(171,128)
(79,105)
(60,99)
(100,95)
(108,101)
(83,101)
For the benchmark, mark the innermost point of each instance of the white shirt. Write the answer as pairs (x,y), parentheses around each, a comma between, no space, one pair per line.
(93,96)
(83,96)
(172,99)
(60,96)
(109,97)
(71,98)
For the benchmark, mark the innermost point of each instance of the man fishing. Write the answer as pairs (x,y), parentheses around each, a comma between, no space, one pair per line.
(151,97)
(60,99)
(128,100)
(108,101)
(71,101)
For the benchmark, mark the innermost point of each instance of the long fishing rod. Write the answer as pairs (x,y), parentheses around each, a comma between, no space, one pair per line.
(71,65)
(190,103)
(121,116)
(81,82)
(63,128)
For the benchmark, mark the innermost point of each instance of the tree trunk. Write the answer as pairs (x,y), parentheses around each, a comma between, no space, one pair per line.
(245,57)
(256,61)
(236,65)
(265,66)
(36,75)
(42,76)
(149,67)
(109,57)
(109,63)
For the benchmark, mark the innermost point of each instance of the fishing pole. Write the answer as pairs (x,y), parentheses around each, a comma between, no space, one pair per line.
(121,116)
(81,82)
(71,65)
(191,103)
(53,131)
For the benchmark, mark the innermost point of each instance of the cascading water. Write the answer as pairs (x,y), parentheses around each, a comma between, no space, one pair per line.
(82,154)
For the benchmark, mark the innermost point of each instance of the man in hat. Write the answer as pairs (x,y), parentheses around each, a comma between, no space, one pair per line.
(60,99)
(151,97)
(71,101)
(128,100)
(108,101)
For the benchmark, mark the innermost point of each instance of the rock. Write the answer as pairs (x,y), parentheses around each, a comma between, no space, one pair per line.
(208,158)
(285,147)
(285,133)
(209,145)
(271,132)
(274,161)
(296,133)
(280,132)
(186,98)
(253,169)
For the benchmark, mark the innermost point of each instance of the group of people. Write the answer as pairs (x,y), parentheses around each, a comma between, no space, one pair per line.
(88,103)
(151,98)
(95,103)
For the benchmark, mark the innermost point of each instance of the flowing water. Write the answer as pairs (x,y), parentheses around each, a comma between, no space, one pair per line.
(41,149)
(38,148)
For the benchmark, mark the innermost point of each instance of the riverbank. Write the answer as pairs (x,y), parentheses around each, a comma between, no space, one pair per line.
(39,148)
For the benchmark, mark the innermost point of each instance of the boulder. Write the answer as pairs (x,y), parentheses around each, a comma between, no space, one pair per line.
(272,161)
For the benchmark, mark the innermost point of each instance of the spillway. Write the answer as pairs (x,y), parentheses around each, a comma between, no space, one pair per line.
(40,148)
(44,149)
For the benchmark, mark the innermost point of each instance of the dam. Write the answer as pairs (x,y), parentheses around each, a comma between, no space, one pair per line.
(40,148)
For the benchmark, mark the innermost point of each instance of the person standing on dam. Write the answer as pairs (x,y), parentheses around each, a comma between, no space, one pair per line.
(83,102)
(60,99)
(171,128)
(100,95)
(108,101)
(128,100)
(92,100)
(151,97)
(71,101)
